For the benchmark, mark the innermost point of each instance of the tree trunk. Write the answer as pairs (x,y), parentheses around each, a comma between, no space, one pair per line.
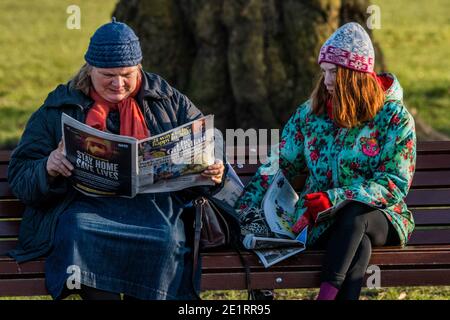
(250,62)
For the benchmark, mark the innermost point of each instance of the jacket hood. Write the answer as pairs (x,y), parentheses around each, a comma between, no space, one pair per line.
(153,86)
(391,86)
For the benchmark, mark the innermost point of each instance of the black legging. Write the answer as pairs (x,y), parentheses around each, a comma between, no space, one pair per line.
(349,243)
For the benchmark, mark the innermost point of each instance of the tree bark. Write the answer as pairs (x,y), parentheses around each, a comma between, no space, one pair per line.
(250,62)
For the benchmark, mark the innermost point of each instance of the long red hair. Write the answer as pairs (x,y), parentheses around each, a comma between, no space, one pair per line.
(357,97)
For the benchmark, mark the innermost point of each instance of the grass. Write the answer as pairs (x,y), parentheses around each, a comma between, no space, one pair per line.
(39,52)
(394,293)
(415,39)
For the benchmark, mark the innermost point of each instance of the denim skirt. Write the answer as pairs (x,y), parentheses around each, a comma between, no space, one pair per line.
(132,246)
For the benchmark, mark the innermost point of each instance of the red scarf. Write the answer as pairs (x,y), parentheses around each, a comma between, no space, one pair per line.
(330,108)
(132,122)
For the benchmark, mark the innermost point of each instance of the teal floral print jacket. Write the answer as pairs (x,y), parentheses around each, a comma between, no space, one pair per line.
(373,163)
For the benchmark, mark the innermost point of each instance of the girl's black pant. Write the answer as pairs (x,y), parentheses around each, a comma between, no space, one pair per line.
(348,243)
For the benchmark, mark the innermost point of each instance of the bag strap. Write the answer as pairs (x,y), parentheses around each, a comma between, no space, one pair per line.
(198,204)
(248,280)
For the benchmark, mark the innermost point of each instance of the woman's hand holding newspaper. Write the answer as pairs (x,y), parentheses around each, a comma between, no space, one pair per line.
(215,171)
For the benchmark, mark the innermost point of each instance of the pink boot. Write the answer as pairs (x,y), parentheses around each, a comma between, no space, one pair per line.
(327,291)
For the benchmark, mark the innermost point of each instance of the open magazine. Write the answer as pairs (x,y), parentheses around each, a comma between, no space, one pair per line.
(278,207)
(107,164)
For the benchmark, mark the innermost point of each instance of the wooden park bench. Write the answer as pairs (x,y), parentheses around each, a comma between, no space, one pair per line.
(424,262)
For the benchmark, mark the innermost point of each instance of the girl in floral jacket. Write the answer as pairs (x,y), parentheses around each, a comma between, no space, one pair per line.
(357,141)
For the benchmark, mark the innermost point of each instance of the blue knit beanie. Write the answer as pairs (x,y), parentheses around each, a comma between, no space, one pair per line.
(114,45)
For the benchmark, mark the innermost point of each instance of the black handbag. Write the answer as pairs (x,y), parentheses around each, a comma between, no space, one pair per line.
(211,230)
(214,228)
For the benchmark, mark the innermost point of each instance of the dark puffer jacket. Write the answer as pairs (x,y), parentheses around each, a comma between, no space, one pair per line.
(164,108)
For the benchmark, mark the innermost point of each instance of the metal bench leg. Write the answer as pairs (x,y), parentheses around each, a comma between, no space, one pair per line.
(261,294)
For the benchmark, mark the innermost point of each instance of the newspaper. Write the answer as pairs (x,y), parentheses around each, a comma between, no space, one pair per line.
(274,251)
(330,212)
(107,164)
(230,192)
(278,208)
(254,242)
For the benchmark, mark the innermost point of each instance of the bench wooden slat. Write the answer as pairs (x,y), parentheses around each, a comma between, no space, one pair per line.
(5,155)
(11,267)
(3,171)
(424,197)
(311,279)
(236,280)
(231,281)
(440,178)
(415,277)
(227,260)
(5,191)
(6,245)
(433,162)
(433,147)
(434,216)
(423,147)
(422,179)
(261,278)
(432,236)
(424,162)
(23,287)
(431,216)
(386,258)
(310,259)
(9,229)
(11,209)
(428,197)
(425,217)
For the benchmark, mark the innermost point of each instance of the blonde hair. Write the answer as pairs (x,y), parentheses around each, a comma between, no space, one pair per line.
(357,97)
(82,79)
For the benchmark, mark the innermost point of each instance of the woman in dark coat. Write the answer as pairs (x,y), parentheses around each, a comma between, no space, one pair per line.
(113,245)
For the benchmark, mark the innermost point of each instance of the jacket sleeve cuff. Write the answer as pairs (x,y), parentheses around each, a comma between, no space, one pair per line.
(47,185)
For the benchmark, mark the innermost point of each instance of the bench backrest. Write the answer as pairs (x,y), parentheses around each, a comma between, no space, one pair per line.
(429,197)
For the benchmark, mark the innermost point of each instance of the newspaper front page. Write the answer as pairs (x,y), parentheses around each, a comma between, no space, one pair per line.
(107,164)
